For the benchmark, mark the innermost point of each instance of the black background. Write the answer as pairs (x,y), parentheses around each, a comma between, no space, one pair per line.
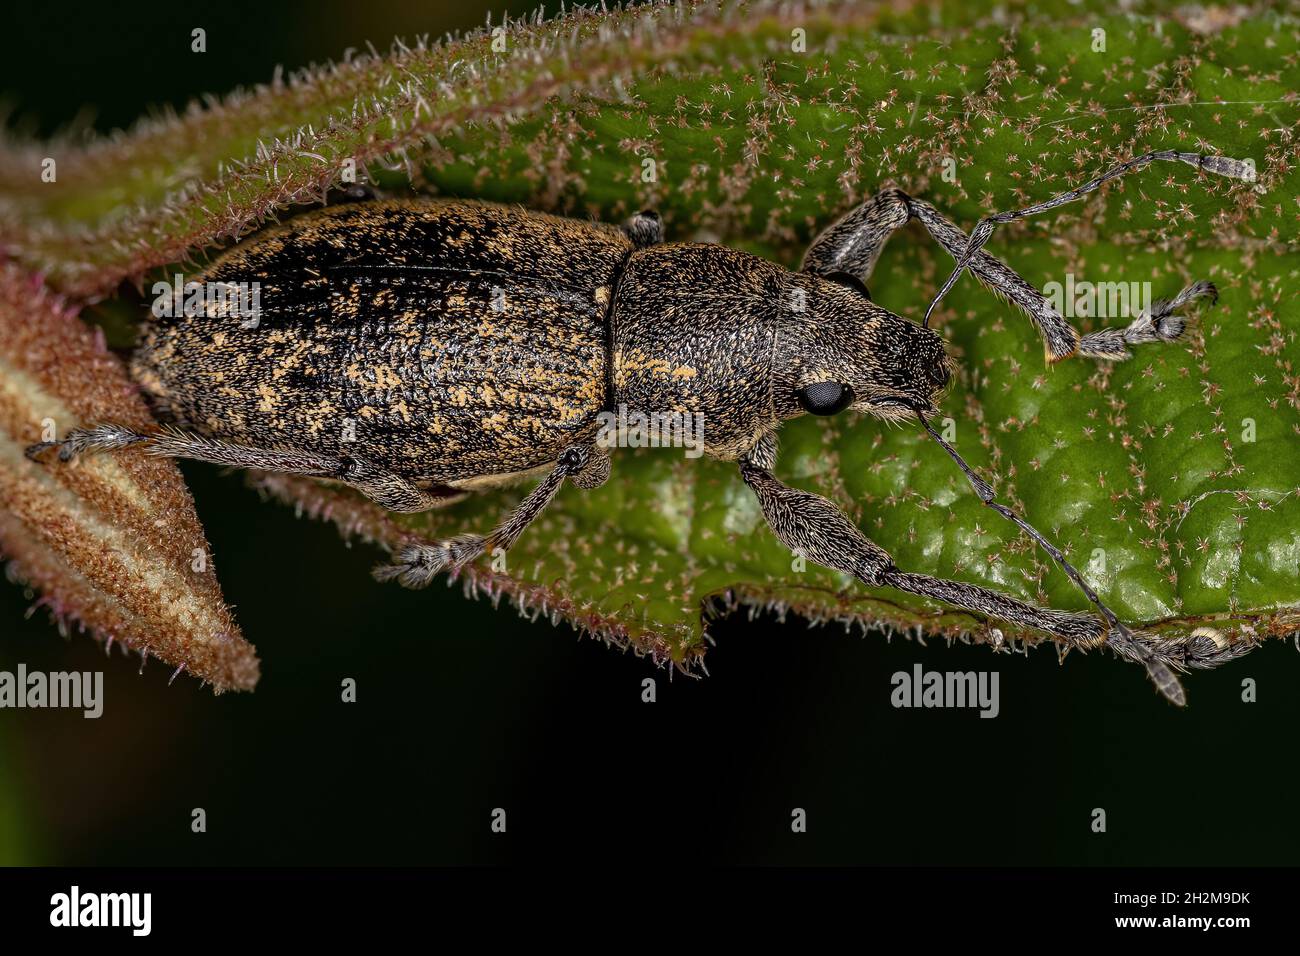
(463,708)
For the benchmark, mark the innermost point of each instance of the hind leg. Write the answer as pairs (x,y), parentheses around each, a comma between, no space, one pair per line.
(420,562)
(390,490)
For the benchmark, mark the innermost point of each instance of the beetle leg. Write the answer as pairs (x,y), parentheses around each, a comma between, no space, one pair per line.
(419,562)
(763,454)
(1161,657)
(595,471)
(811,526)
(1060,340)
(645,229)
(814,528)
(79,440)
(854,242)
(390,490)
(1157,323)
(1219,165)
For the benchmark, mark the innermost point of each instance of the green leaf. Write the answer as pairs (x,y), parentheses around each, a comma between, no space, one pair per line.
(1141,471)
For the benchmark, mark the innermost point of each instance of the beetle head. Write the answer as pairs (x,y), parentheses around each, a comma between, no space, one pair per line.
(838,350)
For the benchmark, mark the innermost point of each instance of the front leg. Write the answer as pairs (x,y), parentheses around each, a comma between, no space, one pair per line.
(812,527)
(815,528)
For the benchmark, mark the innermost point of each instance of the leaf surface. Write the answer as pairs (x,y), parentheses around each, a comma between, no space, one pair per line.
(1171,480)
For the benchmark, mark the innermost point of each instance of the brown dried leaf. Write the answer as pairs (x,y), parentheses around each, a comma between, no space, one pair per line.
(112,541)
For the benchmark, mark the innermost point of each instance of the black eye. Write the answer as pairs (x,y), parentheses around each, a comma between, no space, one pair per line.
(825,398)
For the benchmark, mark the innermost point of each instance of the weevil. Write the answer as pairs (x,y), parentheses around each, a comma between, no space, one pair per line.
(421,349)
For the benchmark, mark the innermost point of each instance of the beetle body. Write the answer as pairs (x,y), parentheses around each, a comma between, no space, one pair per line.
(458,342)
(443,341)
(418,349)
